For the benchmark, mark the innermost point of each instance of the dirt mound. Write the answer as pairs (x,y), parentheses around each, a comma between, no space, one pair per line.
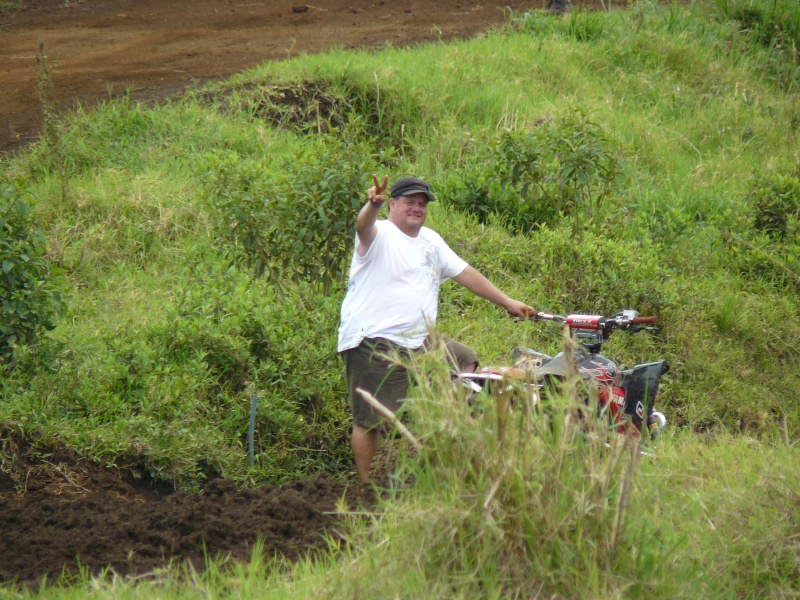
(59,513)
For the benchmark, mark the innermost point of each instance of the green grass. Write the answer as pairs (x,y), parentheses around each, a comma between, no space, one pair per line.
(165,340)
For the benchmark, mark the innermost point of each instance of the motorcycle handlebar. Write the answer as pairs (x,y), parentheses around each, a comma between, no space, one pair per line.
(540,316)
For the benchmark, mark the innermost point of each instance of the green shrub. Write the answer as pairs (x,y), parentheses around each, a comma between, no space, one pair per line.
(317,104)
(771,22)
(247,336)
(30,286)
(171,398)
(533,178)
(299,225)
(776,201)
(768,245)
(599,274)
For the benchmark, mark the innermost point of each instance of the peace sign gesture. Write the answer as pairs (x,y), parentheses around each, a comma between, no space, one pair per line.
(377,193)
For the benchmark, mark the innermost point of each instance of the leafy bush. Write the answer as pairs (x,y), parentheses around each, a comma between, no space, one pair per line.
(247,336)
(776,201)
(299,225)
(317,105)
(532,178)
(30,286)
(768,245)
(599,274)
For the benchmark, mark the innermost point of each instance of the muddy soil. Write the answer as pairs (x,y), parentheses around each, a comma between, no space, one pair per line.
(58,512)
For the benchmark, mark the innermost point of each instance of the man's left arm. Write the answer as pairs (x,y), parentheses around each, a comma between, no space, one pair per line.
(480,286)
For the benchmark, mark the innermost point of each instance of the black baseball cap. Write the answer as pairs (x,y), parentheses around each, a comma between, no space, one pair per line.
(412,185)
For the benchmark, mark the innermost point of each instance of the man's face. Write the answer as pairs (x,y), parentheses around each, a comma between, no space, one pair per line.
(409,212)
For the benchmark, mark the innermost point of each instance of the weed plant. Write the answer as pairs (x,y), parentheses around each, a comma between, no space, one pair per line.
(769,248)
(522,499)
(774,26)
(52,130)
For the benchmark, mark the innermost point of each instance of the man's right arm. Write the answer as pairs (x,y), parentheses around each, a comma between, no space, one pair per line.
(365,223)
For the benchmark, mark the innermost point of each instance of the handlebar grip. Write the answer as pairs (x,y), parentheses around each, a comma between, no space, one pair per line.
(640,320)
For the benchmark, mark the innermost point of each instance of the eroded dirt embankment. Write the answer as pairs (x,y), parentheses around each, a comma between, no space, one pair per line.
(58,512)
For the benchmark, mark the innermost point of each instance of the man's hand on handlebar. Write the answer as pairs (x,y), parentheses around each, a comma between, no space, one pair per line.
(520,310)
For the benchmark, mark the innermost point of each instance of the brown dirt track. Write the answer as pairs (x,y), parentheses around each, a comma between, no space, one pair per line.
(155,48)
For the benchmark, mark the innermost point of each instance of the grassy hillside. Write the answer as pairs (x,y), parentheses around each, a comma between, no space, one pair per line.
(193,255)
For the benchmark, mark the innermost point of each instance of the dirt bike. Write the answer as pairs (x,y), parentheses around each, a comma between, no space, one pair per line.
(625,396)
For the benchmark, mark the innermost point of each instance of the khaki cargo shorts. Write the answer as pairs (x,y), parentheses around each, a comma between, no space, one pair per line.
(368,367)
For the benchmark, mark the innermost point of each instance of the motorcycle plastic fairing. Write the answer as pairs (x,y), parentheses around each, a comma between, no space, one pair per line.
(641,386)
(557,366)
(599,367)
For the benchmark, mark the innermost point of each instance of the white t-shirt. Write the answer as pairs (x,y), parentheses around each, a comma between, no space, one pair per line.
(393,291)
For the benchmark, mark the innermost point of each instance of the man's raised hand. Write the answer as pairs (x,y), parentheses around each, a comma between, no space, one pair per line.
(377,193)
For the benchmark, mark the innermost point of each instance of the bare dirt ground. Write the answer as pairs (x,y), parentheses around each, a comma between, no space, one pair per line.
(100,48)
(59,513)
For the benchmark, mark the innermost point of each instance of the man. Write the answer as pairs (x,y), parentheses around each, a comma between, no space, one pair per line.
(392,301)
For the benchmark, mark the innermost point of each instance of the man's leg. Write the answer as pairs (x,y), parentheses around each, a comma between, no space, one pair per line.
(364,443)
(461,356)
(367,367)
(470,368)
